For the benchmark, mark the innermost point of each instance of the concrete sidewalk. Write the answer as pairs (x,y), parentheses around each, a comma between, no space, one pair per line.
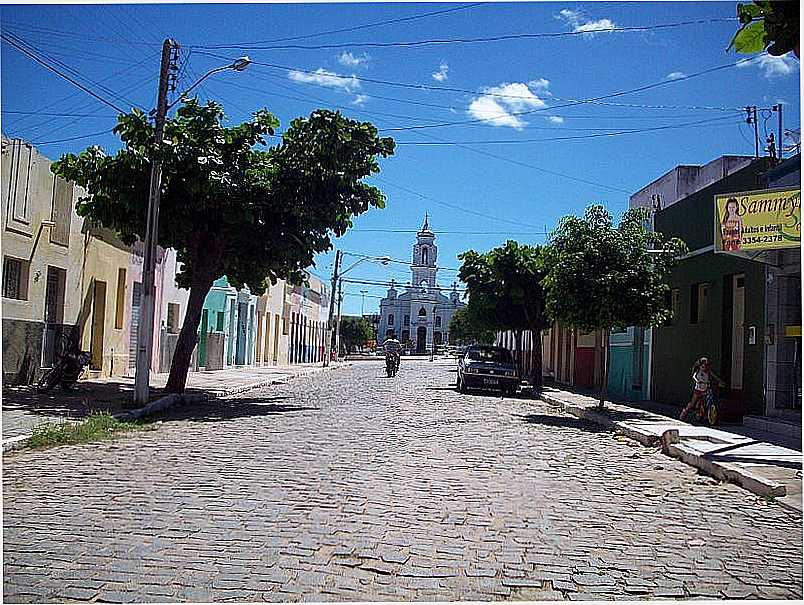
(24,408)
(762,468)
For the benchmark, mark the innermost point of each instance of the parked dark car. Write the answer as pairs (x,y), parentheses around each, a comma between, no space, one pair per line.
(487,367)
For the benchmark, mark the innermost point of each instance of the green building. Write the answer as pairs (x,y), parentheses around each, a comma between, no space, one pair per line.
(719,304)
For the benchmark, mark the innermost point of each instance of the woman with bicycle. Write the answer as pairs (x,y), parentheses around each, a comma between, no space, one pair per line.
(702,376)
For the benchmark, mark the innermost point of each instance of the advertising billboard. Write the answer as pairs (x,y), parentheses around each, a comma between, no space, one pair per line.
(754,221)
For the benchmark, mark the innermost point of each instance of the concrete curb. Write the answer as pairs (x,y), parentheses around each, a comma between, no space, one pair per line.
(671,446)
(168,401)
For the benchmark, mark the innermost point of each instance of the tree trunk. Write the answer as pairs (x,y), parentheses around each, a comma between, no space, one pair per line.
(604,386)
(189,334)
(537,361)
(518,351)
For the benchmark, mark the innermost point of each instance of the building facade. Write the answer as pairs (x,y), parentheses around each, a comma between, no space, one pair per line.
(419,317)
(718,305)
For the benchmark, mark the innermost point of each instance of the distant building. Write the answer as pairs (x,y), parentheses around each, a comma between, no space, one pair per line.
(420,316)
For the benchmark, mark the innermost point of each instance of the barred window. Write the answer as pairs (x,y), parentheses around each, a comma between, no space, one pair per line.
(15,278)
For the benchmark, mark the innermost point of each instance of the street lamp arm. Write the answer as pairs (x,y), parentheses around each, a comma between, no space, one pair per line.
(239,65)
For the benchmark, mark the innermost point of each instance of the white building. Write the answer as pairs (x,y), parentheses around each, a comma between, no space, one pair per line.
(421,315)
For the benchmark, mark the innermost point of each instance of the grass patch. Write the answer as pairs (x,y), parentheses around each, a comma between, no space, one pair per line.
(98,426)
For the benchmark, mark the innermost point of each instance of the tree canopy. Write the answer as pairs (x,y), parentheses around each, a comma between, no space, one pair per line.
(229,207)
(771,25)
(355,331)
(468,326)
(505,285)
(600,276)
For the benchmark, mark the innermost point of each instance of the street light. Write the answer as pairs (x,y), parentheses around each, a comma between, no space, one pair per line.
(238,65)
(146,327)
(384,260)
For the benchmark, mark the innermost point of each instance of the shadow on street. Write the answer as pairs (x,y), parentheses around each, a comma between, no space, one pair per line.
(218,410)
(563,422)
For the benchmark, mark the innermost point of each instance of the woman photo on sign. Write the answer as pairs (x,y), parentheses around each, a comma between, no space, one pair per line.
(732,226)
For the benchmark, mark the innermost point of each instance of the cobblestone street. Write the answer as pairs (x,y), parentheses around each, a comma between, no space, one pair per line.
(347,485)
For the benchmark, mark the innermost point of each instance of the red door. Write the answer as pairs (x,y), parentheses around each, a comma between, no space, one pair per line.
(585,367)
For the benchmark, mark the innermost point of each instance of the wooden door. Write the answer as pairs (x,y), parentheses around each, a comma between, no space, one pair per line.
(98,323)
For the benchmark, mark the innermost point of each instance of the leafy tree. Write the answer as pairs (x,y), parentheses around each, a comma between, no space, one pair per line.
(355,331)
(768,25)
(228,207)
(468,326)
(600,276)
(505,284)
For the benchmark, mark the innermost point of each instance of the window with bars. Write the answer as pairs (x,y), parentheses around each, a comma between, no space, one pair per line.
(15,278)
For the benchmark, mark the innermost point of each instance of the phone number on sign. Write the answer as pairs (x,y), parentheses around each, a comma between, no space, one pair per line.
(762,239)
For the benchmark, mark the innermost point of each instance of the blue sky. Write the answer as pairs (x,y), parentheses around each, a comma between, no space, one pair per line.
(519,196)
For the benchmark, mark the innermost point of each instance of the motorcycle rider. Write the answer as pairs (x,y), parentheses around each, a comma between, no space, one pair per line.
(392,346)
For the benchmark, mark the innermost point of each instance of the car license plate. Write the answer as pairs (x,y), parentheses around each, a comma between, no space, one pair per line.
(491,381)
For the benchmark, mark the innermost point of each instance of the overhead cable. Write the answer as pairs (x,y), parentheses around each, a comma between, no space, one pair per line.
(442,41)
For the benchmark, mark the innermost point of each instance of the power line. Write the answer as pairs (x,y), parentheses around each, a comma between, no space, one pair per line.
(581,101)
(408,231)
(56,115)
(60,73)
(719,120)
(453,206)
(59,63)
(356,27)
(442,41)
(83,136)
(400,262)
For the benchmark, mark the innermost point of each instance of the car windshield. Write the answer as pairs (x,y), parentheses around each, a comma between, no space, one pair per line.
(493,355)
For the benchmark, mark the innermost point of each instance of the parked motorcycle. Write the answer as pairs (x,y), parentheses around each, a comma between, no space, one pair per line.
(69,365)
(391,364)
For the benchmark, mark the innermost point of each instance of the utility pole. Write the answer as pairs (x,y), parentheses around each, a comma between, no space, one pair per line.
(330,325)
(338,321)
(778,109)
(145,330)
(751,118)
(362,302)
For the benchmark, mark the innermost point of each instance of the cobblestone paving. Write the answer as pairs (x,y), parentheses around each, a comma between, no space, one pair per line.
(350,486)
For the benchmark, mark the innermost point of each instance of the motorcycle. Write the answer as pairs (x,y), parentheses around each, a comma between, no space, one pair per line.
(70,363)
(391,364)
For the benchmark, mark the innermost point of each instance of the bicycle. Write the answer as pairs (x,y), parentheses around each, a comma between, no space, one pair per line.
(707,409)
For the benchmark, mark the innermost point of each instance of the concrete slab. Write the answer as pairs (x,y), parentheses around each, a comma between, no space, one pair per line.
(764,469)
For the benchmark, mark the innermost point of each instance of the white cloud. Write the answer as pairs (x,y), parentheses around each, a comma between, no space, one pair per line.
(595,26)
(580,24)
(360,100)
(328,79)
(556,119)
(350,60)
(541,85)
(676,75)
(442,73)
(773,67)
(500,104)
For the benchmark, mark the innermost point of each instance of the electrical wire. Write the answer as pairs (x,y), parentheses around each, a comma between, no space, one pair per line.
(392,260)
(83,136)
(58,63)
(442,41)
(59,73)
(452,206)
(358,27)
(718,121)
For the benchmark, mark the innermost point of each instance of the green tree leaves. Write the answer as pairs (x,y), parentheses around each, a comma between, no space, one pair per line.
(772,25)
(229,207)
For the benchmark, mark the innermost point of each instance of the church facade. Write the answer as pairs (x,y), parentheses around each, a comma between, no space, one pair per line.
(419,317)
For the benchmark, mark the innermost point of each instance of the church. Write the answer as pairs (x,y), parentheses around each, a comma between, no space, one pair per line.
(420,316)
